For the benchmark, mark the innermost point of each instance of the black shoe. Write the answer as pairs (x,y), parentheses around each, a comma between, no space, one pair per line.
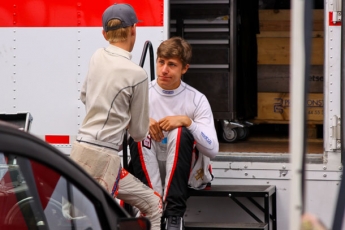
(174,223)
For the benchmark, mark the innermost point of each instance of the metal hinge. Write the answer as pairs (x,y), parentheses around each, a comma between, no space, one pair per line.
(336,12)
(335,134)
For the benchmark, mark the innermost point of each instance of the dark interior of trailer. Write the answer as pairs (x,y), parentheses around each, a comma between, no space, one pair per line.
(241,62)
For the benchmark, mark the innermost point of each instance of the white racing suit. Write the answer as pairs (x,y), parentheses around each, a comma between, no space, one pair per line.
(181,160)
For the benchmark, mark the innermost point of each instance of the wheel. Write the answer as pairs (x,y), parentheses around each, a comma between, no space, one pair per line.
(33,218)
(230,135)
(242,133)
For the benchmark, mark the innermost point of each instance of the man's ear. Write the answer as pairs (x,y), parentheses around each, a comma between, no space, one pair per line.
(104,35)
(133,30)
(185,68)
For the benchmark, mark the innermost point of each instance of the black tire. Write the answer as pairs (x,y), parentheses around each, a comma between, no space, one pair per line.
(230,135)
(242,133)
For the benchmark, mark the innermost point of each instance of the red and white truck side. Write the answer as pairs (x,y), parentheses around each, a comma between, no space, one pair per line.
(45,47)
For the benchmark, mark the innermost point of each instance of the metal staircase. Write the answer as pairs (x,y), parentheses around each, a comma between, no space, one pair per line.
(210,26)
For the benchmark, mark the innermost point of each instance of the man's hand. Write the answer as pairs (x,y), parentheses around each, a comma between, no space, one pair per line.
(155,131)
(311,222)
(172,122)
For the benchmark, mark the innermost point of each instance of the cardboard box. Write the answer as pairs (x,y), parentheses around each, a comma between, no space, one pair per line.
(275,108)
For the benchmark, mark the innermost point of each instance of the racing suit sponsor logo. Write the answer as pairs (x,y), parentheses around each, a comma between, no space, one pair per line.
(147,142)
(167,91)
(206,138)
(199,174)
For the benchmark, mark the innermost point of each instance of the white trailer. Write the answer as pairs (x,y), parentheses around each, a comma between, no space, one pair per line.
(45,48)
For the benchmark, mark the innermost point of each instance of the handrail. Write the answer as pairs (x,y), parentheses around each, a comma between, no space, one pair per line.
(147,46)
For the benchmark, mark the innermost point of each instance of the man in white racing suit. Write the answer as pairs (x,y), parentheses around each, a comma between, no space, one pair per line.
(182,137)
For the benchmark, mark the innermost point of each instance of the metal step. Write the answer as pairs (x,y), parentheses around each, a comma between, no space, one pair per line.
(235,190)
(211,226)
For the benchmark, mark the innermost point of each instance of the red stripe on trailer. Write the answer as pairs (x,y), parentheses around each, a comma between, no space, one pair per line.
(330,21)
(57,139)
(69,13)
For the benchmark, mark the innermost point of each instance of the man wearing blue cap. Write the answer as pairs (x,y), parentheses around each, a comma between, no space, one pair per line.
(115,94)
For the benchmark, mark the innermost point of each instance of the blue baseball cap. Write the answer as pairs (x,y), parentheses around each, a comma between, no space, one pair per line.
(124,12)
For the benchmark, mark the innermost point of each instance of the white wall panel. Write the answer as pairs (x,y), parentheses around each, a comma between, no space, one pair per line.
(7,76)
(50,67)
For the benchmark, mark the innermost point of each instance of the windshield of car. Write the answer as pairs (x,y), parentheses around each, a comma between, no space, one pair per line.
(33,196)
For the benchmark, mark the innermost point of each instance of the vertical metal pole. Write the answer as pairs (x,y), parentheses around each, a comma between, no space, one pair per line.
(267,210)
(297,61)
(274,210)
(166,19)
(301,20)
(342,91)
(233,58)
(340,206)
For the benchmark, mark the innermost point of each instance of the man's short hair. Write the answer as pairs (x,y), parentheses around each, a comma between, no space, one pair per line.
(176,47)
(118,35)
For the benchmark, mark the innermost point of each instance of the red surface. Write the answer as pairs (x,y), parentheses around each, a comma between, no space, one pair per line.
(46,181)
(71,13)
(57,139)
(8,201)
(330,15)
